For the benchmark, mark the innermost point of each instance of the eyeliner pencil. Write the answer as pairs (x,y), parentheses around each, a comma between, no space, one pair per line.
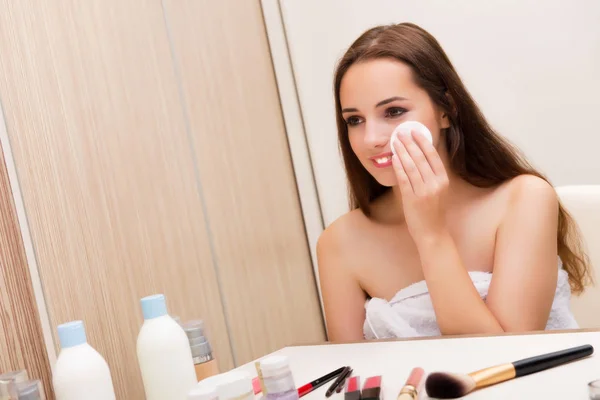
(338,381)
(342,384)
(309,387)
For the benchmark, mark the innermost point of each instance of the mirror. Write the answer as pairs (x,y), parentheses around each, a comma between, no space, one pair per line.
(532,74)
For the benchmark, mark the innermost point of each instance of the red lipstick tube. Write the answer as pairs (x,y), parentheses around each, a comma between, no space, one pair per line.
(372,389)
(352,388)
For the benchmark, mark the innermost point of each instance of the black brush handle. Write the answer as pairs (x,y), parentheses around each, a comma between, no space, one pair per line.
(531,365)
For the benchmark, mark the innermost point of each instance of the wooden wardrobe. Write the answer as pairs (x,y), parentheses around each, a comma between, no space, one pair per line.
(148,143)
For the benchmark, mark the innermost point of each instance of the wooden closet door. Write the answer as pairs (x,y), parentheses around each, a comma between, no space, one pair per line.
(107,171)
(222,57)
(21,337)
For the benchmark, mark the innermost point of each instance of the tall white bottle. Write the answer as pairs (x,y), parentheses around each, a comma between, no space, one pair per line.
(164,353)
(80,371)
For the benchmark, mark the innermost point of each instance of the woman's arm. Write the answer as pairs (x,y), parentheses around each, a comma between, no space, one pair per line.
(458,307)
(343,298)
(525,266)
(525,269)
(526,260)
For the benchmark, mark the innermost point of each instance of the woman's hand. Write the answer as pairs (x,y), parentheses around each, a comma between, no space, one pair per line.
(423,184)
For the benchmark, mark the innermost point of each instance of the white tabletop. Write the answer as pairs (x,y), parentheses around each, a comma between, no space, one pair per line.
(394,361)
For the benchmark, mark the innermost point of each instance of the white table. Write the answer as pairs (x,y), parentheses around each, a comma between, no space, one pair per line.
(395,359)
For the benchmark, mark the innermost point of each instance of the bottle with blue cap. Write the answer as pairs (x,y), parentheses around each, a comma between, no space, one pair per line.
(164,353)
(80,371)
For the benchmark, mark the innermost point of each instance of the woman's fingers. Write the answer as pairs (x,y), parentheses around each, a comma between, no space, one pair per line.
(431,154)
(403,181)
(419,159)
(408,166)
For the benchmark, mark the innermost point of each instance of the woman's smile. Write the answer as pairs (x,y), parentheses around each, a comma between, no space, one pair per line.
(383,160)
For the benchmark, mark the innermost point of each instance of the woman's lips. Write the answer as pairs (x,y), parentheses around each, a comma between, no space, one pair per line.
(382,160)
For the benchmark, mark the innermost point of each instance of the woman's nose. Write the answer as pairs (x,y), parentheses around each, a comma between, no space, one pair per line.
(376,135)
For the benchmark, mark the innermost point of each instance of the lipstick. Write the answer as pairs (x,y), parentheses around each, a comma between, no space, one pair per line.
(352,388)
(372,388)
(410,391)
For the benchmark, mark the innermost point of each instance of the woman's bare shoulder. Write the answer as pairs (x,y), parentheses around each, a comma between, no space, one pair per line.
(344,231)
(526,187)
(531,185)
(343,234)
(524,192)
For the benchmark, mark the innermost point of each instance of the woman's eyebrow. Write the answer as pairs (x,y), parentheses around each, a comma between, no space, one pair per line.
(381,103)
(387,101)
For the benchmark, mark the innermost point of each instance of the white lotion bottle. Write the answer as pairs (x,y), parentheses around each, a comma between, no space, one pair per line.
(164,353)
(80,371)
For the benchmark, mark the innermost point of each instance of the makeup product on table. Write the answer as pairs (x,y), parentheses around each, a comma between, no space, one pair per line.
(164,354)
(372,389)
(203,393)
(256,385)
(278,379)
(9,381)
(342,384)
(206,389)
(260,379)
(450,385)
(594,389)
(311,386)
(235,385)
(30,390)
(352,388)
(411,388)
(80,371)
(338,384)
(205,364)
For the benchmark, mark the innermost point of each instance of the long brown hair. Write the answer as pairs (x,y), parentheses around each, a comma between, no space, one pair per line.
(477,153)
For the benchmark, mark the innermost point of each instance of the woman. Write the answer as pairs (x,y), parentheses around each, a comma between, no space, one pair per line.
(431,226)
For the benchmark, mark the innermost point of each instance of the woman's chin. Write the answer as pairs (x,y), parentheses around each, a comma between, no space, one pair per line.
(386,181)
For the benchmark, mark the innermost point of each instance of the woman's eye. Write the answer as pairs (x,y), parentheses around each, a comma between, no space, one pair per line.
(354,120)
(394,112)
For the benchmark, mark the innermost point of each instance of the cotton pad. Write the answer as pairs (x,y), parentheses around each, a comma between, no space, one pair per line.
(405,128)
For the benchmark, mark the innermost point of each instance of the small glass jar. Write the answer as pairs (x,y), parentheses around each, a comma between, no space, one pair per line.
(235,385)
(30,390)
(203,393)
(9,381)
(278,379)
(594,389)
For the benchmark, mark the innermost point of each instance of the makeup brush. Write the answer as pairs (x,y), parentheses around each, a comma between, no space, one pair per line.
(443,385)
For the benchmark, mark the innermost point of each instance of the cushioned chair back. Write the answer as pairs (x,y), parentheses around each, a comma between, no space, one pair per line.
(583,203)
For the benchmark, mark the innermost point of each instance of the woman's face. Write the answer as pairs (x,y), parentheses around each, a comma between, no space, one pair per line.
(376,96)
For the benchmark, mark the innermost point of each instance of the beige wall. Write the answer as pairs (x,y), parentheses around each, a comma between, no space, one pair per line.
(152,157)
